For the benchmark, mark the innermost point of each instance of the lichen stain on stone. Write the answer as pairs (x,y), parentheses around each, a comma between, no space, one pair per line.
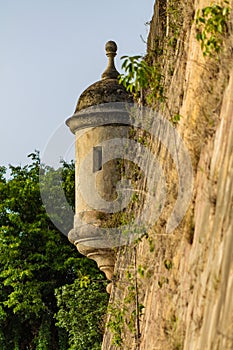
(103,91)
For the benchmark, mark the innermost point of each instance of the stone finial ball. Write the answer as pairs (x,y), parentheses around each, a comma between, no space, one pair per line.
(111,46)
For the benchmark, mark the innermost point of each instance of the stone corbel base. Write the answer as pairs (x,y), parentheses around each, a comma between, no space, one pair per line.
(104,257)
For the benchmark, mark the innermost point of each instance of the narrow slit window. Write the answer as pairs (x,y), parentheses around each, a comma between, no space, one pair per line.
(97,158)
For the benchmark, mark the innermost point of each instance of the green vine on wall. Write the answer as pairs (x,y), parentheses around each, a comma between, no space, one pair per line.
(140,75)
(211,24)
(174,21)
(116,323)
(126,316)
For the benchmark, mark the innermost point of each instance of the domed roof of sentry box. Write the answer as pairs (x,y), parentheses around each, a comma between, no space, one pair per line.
(108,88)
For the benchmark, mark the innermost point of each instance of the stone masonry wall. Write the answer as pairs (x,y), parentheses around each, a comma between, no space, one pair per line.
(185,280)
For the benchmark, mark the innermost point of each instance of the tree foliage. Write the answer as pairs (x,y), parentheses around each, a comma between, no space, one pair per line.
(77,320)
(37,263)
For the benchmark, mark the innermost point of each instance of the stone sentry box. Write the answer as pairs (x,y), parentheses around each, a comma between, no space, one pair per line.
(94,122)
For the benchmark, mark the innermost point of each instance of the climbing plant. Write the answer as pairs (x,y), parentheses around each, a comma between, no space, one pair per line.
(125,317)
(211,24)
(140,75)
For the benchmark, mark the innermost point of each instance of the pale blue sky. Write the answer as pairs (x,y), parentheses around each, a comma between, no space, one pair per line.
(51,50)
